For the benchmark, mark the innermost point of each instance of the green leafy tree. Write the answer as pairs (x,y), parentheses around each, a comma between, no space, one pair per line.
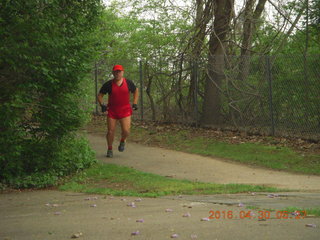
(158,38)
(46,49)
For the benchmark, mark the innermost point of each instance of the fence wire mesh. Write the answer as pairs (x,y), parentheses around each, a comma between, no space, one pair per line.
(273,95)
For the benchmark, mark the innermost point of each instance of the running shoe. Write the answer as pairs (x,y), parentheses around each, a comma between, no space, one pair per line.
(121,146)
(109,153)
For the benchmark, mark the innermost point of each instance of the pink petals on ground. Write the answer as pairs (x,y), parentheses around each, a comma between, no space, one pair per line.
(311,225)
(52,205)
(193,236)
(205,219)
(295,213)
(135,233)
(240,205)
(272,195)
(188,206)
(186,215)
(174,235)
(132,204)
(76,235)
(140,220)
(91,198)
(169,210)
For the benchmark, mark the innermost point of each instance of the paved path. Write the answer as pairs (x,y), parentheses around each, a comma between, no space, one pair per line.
(54,215)
(205,169)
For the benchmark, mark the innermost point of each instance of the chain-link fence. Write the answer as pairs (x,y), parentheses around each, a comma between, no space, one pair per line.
(277,95)
(273,95)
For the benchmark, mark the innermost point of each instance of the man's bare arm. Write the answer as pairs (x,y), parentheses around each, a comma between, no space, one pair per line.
(100,98)
(136,96)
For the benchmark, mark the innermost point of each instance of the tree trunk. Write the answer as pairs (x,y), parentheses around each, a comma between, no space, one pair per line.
(216,62)
(204,14)
(148,91)
(249,28)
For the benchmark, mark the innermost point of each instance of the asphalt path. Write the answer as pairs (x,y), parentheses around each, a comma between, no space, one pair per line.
(65,215)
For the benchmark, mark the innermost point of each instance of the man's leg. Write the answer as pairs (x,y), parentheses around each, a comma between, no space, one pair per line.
(111,123)
(125,131)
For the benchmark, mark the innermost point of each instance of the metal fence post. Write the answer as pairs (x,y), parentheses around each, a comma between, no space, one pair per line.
(196,92)
(96,85)
(141,89)
(269,77)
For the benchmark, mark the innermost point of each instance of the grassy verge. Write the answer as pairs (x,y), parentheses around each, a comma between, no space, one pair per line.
(310,212)
(257,154)
(124,181)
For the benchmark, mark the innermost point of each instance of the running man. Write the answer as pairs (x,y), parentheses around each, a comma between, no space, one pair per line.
(118,107)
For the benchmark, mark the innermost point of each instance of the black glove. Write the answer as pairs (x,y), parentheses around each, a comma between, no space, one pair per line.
(134,106)
(103,108)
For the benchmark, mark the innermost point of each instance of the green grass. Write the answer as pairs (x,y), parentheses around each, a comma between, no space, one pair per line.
(269,156)
(117,180)
(309,211)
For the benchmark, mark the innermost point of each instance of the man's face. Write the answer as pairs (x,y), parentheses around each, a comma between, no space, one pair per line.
(118,74)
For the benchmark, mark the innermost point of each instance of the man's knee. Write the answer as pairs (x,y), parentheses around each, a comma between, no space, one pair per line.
(110,132)
(125,132)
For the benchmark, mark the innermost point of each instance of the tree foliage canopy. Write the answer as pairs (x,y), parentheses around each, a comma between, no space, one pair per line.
(46,50)
(226,42)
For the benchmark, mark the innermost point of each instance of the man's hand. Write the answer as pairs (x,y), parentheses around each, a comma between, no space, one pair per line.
(103,108)
(134,106)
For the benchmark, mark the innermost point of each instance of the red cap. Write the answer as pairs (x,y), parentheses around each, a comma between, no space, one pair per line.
(118,68)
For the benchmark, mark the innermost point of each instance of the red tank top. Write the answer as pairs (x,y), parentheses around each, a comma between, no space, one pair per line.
(119,99)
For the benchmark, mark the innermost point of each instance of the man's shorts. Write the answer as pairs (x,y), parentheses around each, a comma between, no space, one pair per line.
(119,113)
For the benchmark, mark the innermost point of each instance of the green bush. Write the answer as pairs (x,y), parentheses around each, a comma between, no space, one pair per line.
(47,50)
(43,168)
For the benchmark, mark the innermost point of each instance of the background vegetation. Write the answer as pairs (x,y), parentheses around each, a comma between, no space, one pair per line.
(203,62)
(193,75)
(47,50)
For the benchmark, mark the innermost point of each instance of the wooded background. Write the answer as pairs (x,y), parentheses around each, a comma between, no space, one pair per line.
(251,65)
(247,65)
